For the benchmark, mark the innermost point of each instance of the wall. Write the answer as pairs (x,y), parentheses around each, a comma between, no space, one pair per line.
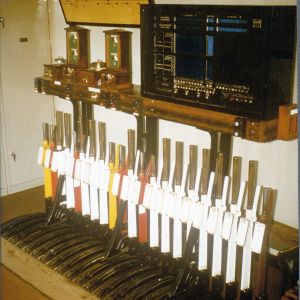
(24,48)
(277,160)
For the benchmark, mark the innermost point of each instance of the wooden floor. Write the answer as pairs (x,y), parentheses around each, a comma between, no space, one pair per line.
(15,288)
(22,203)
(12,287)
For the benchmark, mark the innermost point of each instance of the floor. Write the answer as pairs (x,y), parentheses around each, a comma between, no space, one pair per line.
(32,201)
(13,287)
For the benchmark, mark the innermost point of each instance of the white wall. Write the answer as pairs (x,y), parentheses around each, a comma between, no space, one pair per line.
(278,160)
(22,111)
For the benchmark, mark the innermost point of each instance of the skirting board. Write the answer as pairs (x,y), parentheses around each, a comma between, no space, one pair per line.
(43,278)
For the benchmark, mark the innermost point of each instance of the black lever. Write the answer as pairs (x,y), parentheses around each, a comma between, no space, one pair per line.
(57,199)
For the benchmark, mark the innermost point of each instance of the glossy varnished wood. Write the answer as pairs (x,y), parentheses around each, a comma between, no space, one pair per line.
(130,101)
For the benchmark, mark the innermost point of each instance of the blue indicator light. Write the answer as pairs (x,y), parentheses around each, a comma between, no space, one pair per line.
(210,20)
(209,45)
(209,28)
(227,29)
(233,21)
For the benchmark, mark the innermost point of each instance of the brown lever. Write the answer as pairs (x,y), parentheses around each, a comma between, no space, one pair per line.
(141,169)
(59,128)
(122,151)
(252,181)
(236,178)
(102,139)
(131,148)
(46,132)
(266,218)
(92,132)
(205,171)
(111,149)
(178,162)
(81,136)
(52,135)
(193,166)
(219,175)
(166,159)
(67,127)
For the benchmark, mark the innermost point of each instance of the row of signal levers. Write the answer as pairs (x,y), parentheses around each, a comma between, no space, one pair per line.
(127,226)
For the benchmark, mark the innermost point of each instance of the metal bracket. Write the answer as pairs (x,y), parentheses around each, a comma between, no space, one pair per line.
(239,127)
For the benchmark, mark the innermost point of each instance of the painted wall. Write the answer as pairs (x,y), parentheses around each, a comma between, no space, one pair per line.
(24,48)
(278,160)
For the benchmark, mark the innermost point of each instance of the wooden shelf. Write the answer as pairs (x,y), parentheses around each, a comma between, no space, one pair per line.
(131,101)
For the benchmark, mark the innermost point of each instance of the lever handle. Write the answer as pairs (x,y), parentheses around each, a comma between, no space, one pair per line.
(131,148)
(166,159)
(205,171)
(92,130)
(111,150)
(219,175)
(46,132)
(252,182)
(236,178)
(179,162)
(102,139)
(193,166)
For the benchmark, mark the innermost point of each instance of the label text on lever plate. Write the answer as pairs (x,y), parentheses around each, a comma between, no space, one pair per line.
(157,204)
(54,161)
(227,224)
(62,160)
(105,178)
(212,220)
(95,174)
(167,205)
(94,90)
(70,166)
(86,172)
(177,206)
(258,237)
(185,209)
(136,192)
(197,215)
(115,185)
(125,188)
(147,195)
(77,171)
(242,231)
(57,82)
(40,155)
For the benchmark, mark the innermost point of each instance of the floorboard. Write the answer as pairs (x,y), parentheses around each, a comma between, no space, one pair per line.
(15,288)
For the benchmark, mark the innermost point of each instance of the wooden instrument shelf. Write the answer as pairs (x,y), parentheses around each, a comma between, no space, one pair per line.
(130,101)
